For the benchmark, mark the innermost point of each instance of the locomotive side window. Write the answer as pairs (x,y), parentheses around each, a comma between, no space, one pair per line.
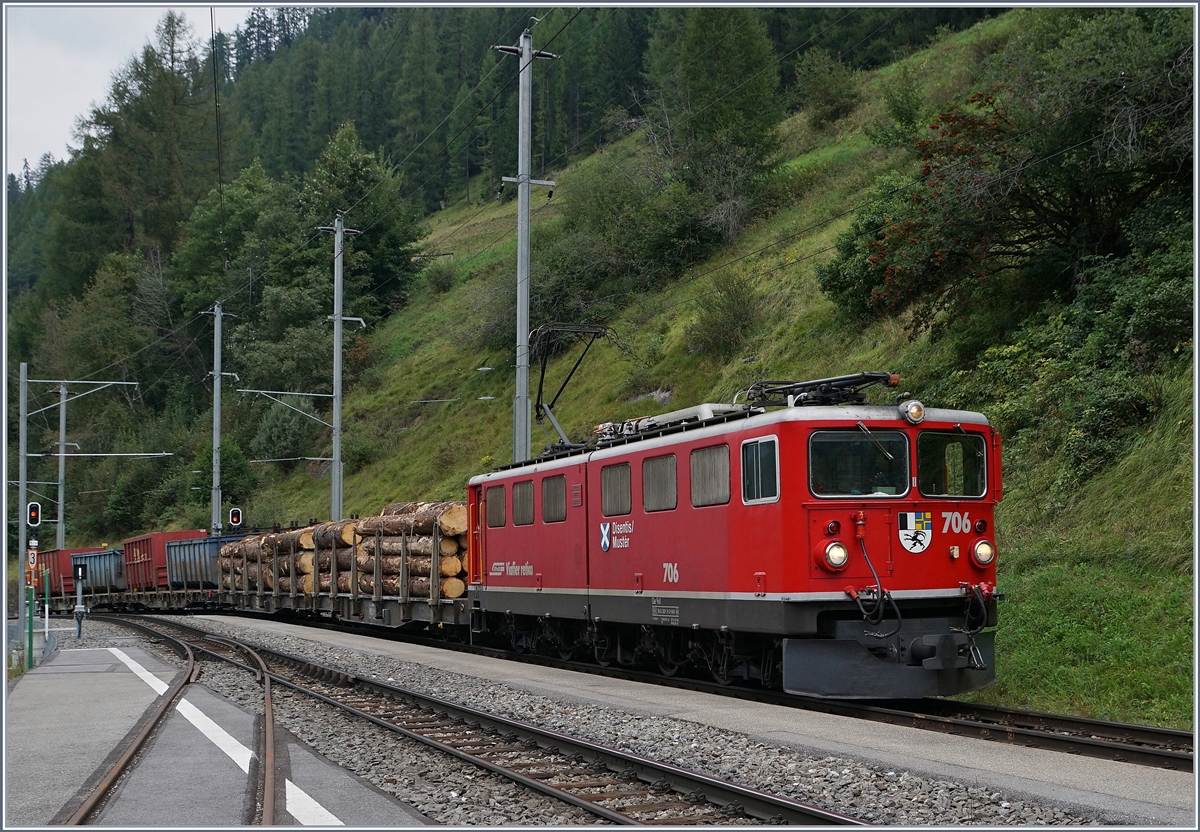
(658,484)
(523,503)
(554,499)
(494,497)
(710,476)
(854,463)
(760,471)
(951,464)
(615,496)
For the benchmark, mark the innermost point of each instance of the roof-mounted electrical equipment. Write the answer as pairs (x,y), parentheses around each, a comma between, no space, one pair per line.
(823,391)
(610,431)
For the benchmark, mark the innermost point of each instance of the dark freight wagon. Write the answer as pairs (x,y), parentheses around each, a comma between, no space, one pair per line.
(192,564)
(146,558)
(105,571)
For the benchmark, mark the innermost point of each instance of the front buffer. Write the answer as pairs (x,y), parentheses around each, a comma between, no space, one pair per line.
(936,661)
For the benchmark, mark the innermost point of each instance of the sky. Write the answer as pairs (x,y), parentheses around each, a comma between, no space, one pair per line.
(59,61)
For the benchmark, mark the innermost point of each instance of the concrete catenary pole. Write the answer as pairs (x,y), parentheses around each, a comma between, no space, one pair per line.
(339,234)
(335,503)
(60,526)
(22,493)
(215,520)
(521,411)
(521,416)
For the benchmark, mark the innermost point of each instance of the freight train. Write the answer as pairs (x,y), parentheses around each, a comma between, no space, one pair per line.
(796,538)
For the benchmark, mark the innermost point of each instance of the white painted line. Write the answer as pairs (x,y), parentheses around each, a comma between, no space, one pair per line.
(299,804)
(306,810)
(160,687)
(221,738)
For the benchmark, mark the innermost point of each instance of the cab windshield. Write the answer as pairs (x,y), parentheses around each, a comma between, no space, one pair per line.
(951,464)
(845,463)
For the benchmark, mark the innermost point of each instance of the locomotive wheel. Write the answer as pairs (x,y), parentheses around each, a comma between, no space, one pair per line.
(721,675)
(670,662)
(667,667)
(602,652)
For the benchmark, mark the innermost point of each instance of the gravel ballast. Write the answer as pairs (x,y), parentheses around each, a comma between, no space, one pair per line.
(872,793)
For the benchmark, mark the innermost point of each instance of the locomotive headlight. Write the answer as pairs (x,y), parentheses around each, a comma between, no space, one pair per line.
(836,555)
(912,411)
(984,553)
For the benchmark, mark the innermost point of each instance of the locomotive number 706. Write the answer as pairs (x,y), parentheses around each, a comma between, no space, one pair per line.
(957,521)
(671,573)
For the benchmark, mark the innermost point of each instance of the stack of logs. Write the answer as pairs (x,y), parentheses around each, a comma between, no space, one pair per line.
(403,540)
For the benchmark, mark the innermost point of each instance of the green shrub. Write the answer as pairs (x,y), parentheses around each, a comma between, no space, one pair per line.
(439,277)
(358,451)
(726,315)
(826,89)
(905,105)
(284,433)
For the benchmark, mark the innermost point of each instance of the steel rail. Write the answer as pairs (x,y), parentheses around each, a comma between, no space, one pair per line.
(93,800)
(1121,742)
(771,808)
(268,808)
(751,801)
(268,764)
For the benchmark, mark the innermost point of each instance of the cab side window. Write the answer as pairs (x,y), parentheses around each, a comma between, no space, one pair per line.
(523,503)
(760,471)
(615,496)
(494,497)
(710,476)
(554,499)
(659,492)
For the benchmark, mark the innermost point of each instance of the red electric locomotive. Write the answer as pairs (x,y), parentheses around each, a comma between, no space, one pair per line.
(798,538)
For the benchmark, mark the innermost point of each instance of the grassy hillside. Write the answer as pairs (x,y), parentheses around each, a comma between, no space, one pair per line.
(1097,617)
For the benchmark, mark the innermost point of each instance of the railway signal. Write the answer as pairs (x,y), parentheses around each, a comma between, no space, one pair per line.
(33,514)
(235,517)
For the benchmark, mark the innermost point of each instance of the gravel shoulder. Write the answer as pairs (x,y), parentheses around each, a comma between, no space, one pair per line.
(634,718)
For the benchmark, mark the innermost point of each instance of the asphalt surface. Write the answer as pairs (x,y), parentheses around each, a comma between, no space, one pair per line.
(1123,793)
(64,719)
(69,718)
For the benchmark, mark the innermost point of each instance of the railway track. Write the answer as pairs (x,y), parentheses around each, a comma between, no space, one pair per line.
(234,653)
(611,784)
(1164,748)
(96,799)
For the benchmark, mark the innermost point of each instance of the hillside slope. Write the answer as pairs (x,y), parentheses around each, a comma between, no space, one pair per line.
(1098,610)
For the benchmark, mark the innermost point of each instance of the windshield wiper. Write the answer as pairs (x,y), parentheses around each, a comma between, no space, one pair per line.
(876,442)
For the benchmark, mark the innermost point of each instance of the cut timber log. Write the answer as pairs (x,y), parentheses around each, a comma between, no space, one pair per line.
(382,545)
(453,521)
(281,543)
(341,532)
(247,547)
(303,584)
(449,545)
(399,508)
(423,516)
(390,584)
(387,525)
(448,567)
(422,545)
(304,560)
(366,564)
(450,587)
